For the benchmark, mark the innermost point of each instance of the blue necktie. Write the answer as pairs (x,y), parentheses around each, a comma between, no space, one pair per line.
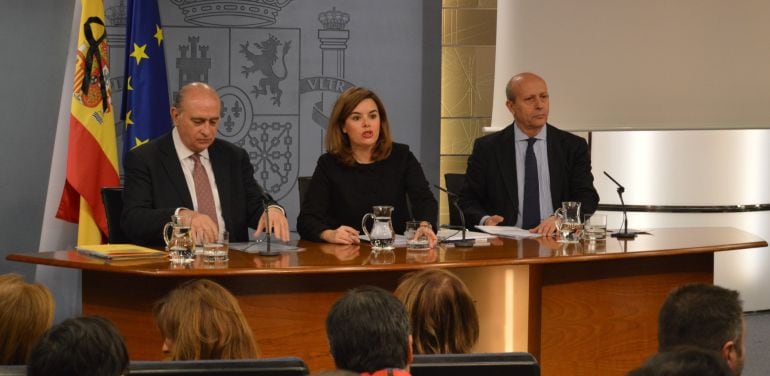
(531,213)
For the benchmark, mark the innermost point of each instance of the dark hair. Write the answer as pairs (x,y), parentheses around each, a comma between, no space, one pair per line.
(441,311)
(81,346)
(368,330)
(701,315)
(684,361)
(338,143)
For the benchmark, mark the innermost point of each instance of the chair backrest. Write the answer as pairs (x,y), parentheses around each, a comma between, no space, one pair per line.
(288,366)
(303,182)
(454,184)
(13,370)
(490,364)
(112,197)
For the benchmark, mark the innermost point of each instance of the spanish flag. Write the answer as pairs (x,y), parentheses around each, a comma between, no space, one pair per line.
(92,159)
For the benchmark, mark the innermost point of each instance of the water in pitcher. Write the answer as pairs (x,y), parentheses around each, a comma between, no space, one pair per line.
(179,242)
(568,221)
(382,234)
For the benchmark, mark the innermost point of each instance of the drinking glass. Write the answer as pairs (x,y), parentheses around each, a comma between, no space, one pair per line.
(217,250)
(413,241)
(595,227)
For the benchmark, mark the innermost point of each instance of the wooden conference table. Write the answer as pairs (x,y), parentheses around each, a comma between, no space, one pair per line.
(581,309)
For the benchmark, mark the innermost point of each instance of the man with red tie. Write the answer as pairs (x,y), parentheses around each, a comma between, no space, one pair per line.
(189,171)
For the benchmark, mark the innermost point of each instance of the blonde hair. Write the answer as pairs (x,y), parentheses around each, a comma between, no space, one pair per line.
(338,143)
(204,321)
(26,312)
(441,310)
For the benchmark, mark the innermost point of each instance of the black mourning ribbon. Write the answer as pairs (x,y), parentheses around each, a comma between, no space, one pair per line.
(93,52)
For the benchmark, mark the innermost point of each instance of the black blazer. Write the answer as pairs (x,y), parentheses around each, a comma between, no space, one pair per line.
(341,195)
(490,179)
(155,186)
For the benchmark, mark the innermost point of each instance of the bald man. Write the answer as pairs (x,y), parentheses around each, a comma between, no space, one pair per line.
(161,179)
(499,191)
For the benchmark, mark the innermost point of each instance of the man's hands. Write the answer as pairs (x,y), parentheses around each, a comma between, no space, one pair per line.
(279,225)
(206,229)
(546,227)
(493,220)
(202,227)
(342,235)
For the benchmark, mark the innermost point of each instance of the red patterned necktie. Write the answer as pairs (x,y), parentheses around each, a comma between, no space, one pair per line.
(203,190)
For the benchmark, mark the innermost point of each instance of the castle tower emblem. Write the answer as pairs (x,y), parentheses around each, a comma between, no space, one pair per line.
(334,41)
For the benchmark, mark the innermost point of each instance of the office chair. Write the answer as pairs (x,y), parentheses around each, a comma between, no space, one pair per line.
(13,370)
(454,184)
(288,366)
(112,197)
(490,364)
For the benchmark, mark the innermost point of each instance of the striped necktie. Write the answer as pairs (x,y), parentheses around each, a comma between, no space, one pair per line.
(203,189)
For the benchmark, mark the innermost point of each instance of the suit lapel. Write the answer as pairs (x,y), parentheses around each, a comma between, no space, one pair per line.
(555,164)
(170,162)
(220,163)
(506,154)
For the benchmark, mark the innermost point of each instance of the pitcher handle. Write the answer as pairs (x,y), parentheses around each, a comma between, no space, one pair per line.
(559,214)
(363,224)
(166,236)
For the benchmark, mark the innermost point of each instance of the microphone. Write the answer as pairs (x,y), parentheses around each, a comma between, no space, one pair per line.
(625,234)
(453,197)
(266,200)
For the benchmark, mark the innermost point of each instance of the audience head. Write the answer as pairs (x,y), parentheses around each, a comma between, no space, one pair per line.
(441,311)
(82,346)
(705,316)
(684,361)
(528,101)
(354,107)
(26,312)
(368,330)
(202,320)
(195,114)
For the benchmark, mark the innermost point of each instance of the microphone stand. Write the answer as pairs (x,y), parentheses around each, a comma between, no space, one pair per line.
(625,234)
(266,206)
(453,197)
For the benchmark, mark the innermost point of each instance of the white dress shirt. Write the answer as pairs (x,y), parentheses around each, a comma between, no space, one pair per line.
(184,154)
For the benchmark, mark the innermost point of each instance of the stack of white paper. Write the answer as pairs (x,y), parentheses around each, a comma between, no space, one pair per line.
(508,232)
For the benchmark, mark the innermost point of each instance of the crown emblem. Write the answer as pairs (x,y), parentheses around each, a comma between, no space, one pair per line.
(116,14)
(236,13)
(334,19)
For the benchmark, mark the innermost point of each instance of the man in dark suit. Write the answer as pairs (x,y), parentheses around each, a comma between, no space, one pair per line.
(368,331)
(521,174)
(704,316)
(190,172)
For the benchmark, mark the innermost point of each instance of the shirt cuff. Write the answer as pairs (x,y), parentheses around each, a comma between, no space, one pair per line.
(278,207)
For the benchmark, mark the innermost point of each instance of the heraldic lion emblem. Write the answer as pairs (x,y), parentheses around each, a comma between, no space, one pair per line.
(263,62)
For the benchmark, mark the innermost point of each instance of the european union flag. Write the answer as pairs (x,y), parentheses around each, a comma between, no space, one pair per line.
(145,96)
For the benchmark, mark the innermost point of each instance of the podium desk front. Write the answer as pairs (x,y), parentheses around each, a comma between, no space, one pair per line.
(581,309)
